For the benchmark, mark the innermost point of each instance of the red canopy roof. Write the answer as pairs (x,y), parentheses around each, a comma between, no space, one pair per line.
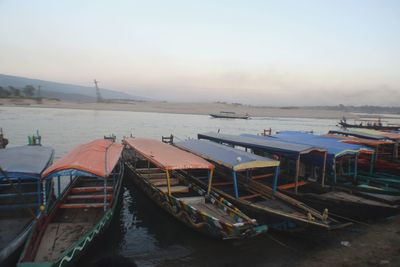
(98,157)
(166,156)
(360,141)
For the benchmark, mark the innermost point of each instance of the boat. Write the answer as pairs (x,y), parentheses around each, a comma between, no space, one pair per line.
(229,115)
(385,158)
(160,171)
(250,182)
(368,124)
(91,175)
(342,160)
(20,195)
(302,176)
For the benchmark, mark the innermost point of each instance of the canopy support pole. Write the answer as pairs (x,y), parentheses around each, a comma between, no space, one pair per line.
(334,171)
(44,193)
(58,186)
(105,194)
(355,166)
(210,176)
(235,185)
(276,175)
(297,174)
(371,168)
(324,170)
(168,183)
(396,150)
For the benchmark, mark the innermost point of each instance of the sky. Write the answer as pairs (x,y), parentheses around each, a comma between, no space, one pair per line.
(273,53)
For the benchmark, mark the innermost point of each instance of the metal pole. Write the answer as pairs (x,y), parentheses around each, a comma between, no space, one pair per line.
(324,170)
(297,174)
(235,186)
(276,175)
(168,183)
(210,176)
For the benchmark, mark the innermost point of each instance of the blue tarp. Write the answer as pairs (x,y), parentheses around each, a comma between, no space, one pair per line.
(333,146)
(25,161)
(232,158)
(271,145)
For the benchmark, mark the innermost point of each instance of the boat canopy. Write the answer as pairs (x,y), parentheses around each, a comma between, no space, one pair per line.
(359,141)
(333,146)
(357,134)
(25,161)
(257,142)
(97,158)
(385,135)
(166,156)
(232,158)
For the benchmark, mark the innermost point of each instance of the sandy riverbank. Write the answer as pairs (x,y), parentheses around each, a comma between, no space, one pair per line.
(184,108)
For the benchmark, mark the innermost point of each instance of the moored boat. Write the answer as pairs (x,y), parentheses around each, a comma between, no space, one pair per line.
(20,195)
(302,177)
(372,124)
(160,171)
(229,115)
(250,182)
(93,174)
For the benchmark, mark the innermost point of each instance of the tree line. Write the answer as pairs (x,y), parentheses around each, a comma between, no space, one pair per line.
(11,91)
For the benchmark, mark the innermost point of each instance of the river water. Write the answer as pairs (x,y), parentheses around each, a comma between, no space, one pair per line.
(141,231)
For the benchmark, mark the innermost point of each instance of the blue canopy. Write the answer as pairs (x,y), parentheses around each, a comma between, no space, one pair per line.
(25,161)
(232,158)
(272,145)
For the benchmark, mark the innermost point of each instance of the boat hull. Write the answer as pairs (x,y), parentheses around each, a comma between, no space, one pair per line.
(345,209)
(193,218)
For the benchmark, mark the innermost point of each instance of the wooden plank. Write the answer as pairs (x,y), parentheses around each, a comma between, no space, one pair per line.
(155,175)
(75,197)
(292,185)
(90,189)
(82,205)
(159,182)
(222,183)
(175,189)
(249,196)
(256,177)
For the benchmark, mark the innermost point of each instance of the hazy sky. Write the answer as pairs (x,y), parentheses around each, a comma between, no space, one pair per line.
(259,52)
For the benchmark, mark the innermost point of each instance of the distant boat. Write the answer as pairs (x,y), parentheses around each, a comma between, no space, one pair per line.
(229,115)
(369,124)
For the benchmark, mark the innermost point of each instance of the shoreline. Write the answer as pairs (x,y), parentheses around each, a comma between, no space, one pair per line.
(183,108)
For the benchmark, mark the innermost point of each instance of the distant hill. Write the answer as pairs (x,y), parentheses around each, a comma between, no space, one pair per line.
(69,92)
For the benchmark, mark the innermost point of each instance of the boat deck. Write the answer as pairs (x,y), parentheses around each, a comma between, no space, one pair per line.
(58,237)
(200,204)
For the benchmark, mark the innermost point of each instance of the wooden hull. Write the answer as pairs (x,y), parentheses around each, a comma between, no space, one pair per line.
(193,218)
(373,127)
(229,117)
(74,251)
(280,213)
(345,205)
(8,255)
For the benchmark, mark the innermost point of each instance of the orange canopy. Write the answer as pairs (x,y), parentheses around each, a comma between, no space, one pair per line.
(166,156)
(360,141)
(98,157)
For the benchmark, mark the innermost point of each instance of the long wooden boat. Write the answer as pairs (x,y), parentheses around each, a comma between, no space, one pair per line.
(93,173)
(343,161)
(159,170)
(302,176)
(250,182)
(20,195)
(368,124)
(229,115)
(385,158)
